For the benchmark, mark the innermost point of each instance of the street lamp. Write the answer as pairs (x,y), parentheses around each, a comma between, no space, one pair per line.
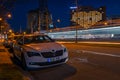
(24,33)
(0,19)
(105,23)
(9,15)
(0,26)
(10,31)
(55,23)
(58,20)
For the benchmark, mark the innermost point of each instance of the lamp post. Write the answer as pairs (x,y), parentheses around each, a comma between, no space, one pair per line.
(39,21)
(76,34)
(0,26)
(56,22)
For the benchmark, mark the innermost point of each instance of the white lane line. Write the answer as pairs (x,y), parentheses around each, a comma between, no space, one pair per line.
(104,54)
(101,42)
(85,60)
(90,42)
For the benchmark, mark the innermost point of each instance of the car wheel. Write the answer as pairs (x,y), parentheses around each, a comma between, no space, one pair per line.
(24,65)
(11,49)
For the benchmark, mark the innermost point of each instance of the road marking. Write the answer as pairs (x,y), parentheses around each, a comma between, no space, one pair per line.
(104,54)
(78,59)
(85,60)
(90,42)
(101,42)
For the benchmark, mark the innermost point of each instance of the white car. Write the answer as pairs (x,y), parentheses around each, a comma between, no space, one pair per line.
(39,51)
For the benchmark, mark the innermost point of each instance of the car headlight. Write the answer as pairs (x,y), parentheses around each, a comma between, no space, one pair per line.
(65,50)
(30,54)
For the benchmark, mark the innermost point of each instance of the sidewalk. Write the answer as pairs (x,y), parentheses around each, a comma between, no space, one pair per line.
(9,71)
(4,56)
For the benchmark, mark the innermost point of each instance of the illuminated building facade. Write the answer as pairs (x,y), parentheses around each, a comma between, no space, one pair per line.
(86,17)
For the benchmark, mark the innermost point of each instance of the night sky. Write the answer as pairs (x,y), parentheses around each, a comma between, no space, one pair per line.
(60,9)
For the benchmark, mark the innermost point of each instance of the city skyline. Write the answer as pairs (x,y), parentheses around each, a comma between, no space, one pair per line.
(59,9)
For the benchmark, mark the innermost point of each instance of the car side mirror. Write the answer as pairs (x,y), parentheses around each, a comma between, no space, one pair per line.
(20,43)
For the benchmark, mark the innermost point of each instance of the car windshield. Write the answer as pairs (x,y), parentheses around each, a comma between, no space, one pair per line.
(37,39)
(18,37)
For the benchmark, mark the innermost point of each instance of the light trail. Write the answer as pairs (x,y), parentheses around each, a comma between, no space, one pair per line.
(90,42)
(99,53)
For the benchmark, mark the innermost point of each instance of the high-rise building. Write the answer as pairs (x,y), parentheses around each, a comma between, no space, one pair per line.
(32,21)
(86,16)
(40,19)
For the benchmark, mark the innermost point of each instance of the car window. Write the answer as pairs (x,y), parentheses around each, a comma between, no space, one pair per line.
(37,39)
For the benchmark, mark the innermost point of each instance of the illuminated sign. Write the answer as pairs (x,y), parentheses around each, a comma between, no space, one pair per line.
(73,7)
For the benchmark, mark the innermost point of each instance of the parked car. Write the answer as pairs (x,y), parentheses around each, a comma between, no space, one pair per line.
(15,38)
(7,42)
(39,51)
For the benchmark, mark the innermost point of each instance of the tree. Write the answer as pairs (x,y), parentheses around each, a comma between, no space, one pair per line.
(5,12)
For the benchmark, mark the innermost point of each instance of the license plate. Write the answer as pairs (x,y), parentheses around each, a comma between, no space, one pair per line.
(53,59)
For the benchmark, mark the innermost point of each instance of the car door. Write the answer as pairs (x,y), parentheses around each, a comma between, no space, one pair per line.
(18,48)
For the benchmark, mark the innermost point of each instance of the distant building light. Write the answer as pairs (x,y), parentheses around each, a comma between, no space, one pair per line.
(51,26)
(58,20)
(112,35)
(106,23)
(100,8)
(73,7)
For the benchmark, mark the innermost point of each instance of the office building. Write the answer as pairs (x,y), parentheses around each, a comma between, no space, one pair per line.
(39,19)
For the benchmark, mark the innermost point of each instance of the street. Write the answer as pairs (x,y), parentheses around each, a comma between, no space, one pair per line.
(85,63)
(59,40)
(94,66)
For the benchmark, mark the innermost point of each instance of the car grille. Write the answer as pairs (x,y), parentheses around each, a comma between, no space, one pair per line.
(52,54)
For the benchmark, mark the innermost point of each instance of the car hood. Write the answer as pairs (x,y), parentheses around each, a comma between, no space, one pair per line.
(44,46)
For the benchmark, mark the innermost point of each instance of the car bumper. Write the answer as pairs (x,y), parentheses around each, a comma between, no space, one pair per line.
(46,64)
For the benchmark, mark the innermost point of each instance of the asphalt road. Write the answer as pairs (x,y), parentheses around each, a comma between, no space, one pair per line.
(85,63)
